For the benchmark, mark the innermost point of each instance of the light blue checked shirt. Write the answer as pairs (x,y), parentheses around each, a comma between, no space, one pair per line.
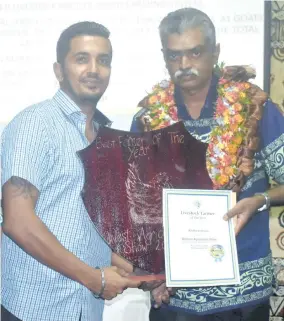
(40,145)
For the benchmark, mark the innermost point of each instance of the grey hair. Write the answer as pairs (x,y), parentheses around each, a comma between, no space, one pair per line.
(188,18)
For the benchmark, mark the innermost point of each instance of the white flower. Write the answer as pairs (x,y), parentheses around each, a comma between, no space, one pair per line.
(216,150)
(220,121)
(213,160)
(215,171)
(164,84)
(232,111)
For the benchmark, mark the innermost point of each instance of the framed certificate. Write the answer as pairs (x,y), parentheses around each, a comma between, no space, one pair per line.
(200,247)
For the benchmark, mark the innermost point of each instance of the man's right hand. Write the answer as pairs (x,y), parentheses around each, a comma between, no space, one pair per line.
(116,281)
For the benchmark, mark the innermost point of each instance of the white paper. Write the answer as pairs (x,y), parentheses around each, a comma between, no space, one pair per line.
(200,247)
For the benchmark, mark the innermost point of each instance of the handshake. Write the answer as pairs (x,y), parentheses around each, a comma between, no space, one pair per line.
(159,291)
(108,282)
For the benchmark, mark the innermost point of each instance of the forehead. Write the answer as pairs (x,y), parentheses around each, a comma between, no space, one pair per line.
(189,39)
(93,45)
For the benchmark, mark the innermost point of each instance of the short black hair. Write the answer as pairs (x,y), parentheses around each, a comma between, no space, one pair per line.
(84,28)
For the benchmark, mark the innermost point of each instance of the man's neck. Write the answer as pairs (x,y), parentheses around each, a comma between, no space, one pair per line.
(195,100)
(88,108)
(89,111)
(90,130)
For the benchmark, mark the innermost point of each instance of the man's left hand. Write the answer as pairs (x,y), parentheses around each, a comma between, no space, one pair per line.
(244,210)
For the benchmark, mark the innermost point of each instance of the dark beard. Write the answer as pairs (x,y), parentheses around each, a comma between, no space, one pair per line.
(85,99)
(79,99)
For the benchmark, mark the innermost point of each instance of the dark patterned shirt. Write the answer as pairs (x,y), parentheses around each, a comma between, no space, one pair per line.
(253,241)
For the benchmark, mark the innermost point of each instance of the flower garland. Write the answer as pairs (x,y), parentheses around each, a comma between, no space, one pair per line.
(226,139)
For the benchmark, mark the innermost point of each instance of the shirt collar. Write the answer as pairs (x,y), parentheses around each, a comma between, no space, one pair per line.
(211,97)
(69,107)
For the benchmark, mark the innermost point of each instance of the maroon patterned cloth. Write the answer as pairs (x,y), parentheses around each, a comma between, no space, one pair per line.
(124,176)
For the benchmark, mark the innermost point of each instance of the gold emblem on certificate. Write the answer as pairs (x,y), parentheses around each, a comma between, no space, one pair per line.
(217,252)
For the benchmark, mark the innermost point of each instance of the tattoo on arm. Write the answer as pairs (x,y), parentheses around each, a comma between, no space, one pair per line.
(22,187)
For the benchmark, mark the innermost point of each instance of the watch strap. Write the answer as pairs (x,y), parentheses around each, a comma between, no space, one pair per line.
(266,206)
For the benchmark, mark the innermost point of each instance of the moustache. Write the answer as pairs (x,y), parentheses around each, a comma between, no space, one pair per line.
(186,72)
(92,78)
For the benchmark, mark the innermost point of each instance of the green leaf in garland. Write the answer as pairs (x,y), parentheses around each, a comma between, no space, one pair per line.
(218,68)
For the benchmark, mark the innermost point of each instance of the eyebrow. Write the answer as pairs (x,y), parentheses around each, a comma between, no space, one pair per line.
(81,53)
(84,53)
(168,50)
(104,55)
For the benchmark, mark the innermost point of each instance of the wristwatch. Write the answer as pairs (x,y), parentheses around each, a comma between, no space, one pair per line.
(266,206)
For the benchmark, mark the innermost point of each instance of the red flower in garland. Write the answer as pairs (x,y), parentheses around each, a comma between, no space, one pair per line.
(173,113)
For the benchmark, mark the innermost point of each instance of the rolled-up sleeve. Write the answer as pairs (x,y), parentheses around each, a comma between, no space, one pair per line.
(24,149)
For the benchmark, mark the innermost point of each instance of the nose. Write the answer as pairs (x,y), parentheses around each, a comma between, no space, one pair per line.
(185,62)
(93,66)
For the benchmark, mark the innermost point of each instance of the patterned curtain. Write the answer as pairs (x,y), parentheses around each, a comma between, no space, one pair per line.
(276,43)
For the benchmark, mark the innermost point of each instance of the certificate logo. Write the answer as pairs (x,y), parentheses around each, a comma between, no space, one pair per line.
(197,204)
(217,252)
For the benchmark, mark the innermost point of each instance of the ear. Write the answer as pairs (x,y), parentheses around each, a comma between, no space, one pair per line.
(57,69)
(163,53)
(164,56)
(216,53)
